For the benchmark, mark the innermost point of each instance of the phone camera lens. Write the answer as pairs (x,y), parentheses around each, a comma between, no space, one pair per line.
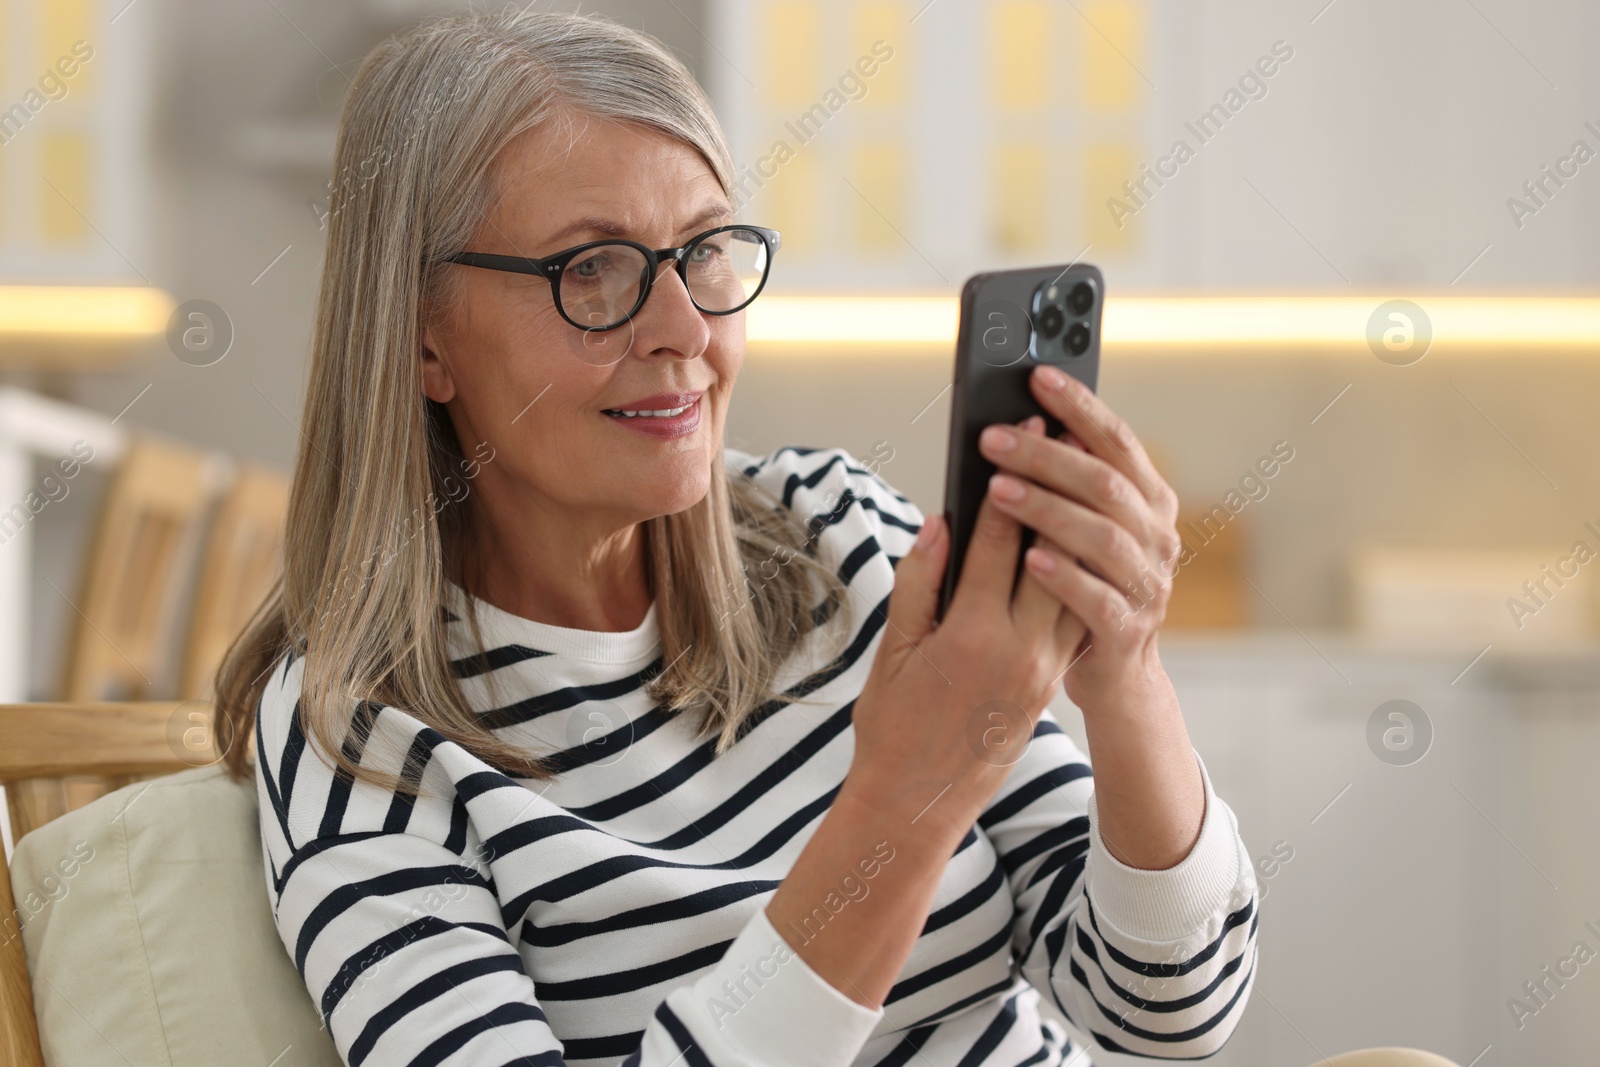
(1081,299)
(1051,320)
(1077,339)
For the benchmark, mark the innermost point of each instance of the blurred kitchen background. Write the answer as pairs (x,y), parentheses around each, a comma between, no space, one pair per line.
(1422,860)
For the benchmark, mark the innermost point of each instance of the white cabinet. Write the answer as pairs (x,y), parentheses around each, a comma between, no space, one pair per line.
(1420,898)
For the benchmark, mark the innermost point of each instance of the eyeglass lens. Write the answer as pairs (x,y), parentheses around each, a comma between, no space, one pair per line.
(600,286)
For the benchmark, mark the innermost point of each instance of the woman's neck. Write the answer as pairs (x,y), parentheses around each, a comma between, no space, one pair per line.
(561,573)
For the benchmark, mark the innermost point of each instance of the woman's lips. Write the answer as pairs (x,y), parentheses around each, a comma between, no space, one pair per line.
(662,426)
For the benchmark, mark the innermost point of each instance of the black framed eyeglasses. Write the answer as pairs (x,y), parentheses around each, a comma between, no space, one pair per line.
(602,284)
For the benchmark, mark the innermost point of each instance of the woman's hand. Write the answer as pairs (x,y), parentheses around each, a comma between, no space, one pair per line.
(945,711)
(949,707)
(1108,541)
(1107,550)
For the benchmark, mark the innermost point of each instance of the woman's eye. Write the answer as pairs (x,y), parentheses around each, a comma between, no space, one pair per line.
(705,252)
(592,266)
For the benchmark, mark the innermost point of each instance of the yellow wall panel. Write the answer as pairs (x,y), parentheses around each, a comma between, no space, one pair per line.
(62,23)
(891,24)
(1113,41)
(65,160)
(792,205)
(1017,185)
(1106,167)
(879,174)
(791,34)
(1019,54)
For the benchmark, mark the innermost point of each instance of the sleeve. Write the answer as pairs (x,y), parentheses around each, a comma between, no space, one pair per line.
(1149,963)
(403,945)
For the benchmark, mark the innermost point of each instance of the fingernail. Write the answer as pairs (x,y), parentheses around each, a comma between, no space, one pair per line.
(1006,488)
(1040,560)
(999,438)
(926,534)
(1052,376)
(1034,424)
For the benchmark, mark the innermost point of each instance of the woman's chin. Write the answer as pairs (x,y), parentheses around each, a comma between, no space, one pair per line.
(673,491)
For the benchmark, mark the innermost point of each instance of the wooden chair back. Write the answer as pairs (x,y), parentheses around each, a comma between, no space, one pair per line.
(95,744)
(243,558)
(153,509)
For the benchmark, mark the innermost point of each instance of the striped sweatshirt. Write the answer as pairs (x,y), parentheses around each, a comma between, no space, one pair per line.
(615,914)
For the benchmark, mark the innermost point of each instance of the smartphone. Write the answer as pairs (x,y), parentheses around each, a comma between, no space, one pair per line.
(1010,321)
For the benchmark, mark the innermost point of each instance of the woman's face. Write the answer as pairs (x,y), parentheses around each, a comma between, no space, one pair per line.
(540,391)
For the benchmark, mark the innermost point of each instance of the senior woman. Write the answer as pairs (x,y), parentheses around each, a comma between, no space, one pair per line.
(581,738)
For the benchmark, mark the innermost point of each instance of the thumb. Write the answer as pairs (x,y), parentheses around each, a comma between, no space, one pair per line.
(917,578)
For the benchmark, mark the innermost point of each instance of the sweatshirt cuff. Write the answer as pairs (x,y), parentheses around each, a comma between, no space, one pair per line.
(1182,900)
(767,1003)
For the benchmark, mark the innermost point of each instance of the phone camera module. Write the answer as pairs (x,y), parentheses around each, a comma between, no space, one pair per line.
(1081,299)
(1077,339)
(1051,320)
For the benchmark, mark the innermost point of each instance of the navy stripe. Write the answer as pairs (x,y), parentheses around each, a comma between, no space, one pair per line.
(530,831)
(1012,804)
(1054,902)
(1056,837)
(1087,947)
(312,849)
(457,840)
(762,784)
(534,707)
(493,660)
(411,773)
(603,871)
(968,902)
(384,947)
(997,943)
(345,897)
(280,809)
(1174,1038)
(608,746)
(289,763)
(1171,970)
(499,1015)
(1072,854)
(955,1008)
(651,790)
(911,1042)
(692,1053)
(617,982)
(992,1035)
(858,558)
(355,743)
(429,989)
(603,1048)
(795,481)
(704,902)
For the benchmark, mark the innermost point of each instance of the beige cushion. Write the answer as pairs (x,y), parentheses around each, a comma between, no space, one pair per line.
(150,940)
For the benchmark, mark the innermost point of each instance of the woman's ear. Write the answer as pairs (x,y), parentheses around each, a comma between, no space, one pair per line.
(437,382)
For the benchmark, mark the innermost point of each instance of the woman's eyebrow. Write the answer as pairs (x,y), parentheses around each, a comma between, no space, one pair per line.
(588,223)
(707,214)
(612,228)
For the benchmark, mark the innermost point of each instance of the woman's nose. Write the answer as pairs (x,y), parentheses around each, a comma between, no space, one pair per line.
(674,313)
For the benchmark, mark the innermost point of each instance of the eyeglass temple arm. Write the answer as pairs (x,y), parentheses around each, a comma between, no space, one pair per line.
(493,260)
